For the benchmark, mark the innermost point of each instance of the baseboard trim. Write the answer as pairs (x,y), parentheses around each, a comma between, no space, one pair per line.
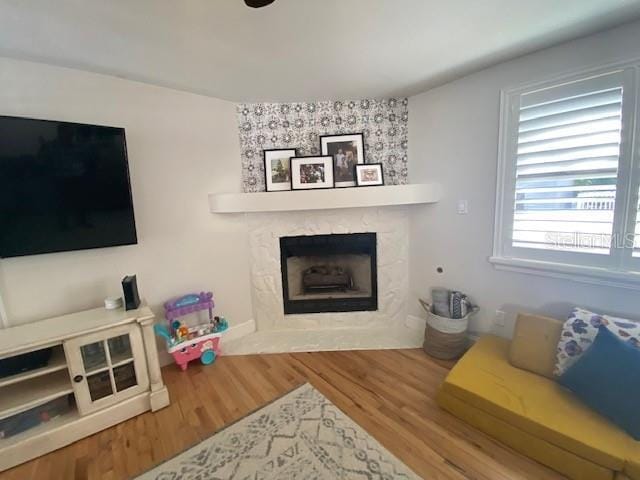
(238,331)
(234,332)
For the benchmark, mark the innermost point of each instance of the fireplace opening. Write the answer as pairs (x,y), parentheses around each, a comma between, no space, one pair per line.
(329,273)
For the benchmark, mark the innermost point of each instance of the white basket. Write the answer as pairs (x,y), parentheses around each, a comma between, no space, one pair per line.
(445,338)
(444,324)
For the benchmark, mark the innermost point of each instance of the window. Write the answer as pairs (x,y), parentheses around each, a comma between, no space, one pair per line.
(569,178)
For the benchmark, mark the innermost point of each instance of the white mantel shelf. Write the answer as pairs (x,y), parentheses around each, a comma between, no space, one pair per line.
(357,197)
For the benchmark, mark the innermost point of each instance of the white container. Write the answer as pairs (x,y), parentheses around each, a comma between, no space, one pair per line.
(113,303)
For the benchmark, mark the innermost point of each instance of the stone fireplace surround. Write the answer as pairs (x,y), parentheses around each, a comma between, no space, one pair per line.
(277,332)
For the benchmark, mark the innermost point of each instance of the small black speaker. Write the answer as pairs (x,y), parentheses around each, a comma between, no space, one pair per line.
(130,289)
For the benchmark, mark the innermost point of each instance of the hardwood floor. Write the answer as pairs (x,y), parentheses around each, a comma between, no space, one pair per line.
(390,393)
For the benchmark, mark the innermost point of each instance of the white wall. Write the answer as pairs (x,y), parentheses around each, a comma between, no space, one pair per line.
(181,147)
(453,139)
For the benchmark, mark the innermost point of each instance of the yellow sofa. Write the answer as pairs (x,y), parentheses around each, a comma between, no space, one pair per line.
(535,416)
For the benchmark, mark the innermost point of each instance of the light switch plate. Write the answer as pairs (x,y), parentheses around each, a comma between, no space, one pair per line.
(463,207)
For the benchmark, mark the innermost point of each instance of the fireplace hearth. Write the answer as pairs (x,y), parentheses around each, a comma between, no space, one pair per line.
(329,273)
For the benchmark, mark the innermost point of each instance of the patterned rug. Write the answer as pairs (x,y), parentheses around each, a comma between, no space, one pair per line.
(301,435)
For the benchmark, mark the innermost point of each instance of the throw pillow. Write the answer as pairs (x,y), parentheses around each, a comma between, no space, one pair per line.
(607,379)
(534,344)
(580,330)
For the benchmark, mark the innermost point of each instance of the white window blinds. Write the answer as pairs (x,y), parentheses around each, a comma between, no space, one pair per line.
(569,177)
(636,238)
(566,172)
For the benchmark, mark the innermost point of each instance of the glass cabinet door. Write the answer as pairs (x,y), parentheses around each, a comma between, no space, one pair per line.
(107,367)
(120,348)
(94,356)
(99,385)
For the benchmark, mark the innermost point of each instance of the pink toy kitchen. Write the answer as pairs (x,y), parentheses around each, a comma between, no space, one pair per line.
(189,340)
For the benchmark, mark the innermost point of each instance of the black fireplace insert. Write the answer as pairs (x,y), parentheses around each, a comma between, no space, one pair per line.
(329,273)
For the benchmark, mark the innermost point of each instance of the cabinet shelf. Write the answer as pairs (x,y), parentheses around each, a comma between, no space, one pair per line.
(22,396)
(56,362)
(47,408)
(42,429)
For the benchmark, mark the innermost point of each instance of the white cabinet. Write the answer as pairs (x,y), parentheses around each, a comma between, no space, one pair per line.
(107,367)
(102,369)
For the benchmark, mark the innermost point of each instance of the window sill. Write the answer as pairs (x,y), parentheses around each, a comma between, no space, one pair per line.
(576,273)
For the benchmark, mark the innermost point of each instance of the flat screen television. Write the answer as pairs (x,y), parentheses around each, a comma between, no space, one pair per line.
(63,186)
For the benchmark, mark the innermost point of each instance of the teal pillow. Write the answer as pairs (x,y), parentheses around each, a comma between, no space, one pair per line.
(607,379)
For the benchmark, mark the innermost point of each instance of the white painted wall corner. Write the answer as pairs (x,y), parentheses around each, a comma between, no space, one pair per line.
(415,323)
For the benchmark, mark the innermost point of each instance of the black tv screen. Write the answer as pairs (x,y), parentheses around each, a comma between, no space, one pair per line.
(63,186)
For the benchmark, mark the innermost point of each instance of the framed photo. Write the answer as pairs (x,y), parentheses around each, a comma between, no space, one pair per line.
(369,175)
(277,169)
(310,173)
(347,151)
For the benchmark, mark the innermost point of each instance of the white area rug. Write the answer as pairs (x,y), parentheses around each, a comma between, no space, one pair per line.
(302,435)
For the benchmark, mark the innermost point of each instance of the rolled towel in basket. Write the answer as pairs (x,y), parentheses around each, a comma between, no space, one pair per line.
(459,305)
(440,299)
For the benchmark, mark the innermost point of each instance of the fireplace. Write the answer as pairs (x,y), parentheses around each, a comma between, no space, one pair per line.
(329,273)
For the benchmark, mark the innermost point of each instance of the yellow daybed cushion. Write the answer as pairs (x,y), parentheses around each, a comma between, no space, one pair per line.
(484,379)
(633,463)
(561,460)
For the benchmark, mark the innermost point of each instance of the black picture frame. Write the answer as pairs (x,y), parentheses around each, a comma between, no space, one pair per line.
(361,159)
(267,169)
(295,161)
(369,165)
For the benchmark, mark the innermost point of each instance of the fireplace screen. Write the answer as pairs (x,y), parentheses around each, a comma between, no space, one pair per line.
(329,273)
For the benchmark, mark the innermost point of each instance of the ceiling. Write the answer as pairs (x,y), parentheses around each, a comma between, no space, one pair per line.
(295,50)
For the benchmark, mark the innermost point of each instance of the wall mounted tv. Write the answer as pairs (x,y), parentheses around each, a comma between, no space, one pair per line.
(63,186)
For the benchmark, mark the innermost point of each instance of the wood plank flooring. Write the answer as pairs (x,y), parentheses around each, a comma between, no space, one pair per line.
(390,393)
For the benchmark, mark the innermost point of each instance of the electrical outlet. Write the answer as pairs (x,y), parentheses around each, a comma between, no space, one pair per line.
(500,318)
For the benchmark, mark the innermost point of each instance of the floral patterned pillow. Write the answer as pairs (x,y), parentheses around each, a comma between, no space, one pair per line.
(580,330)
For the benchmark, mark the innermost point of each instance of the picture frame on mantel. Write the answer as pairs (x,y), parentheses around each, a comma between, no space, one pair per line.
(347,151)
(277,168)
(312,173)
(369,175)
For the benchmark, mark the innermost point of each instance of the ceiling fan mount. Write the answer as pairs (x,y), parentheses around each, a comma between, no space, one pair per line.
(258,3)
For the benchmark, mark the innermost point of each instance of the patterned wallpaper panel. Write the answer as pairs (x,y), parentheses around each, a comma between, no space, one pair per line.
(299,125)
